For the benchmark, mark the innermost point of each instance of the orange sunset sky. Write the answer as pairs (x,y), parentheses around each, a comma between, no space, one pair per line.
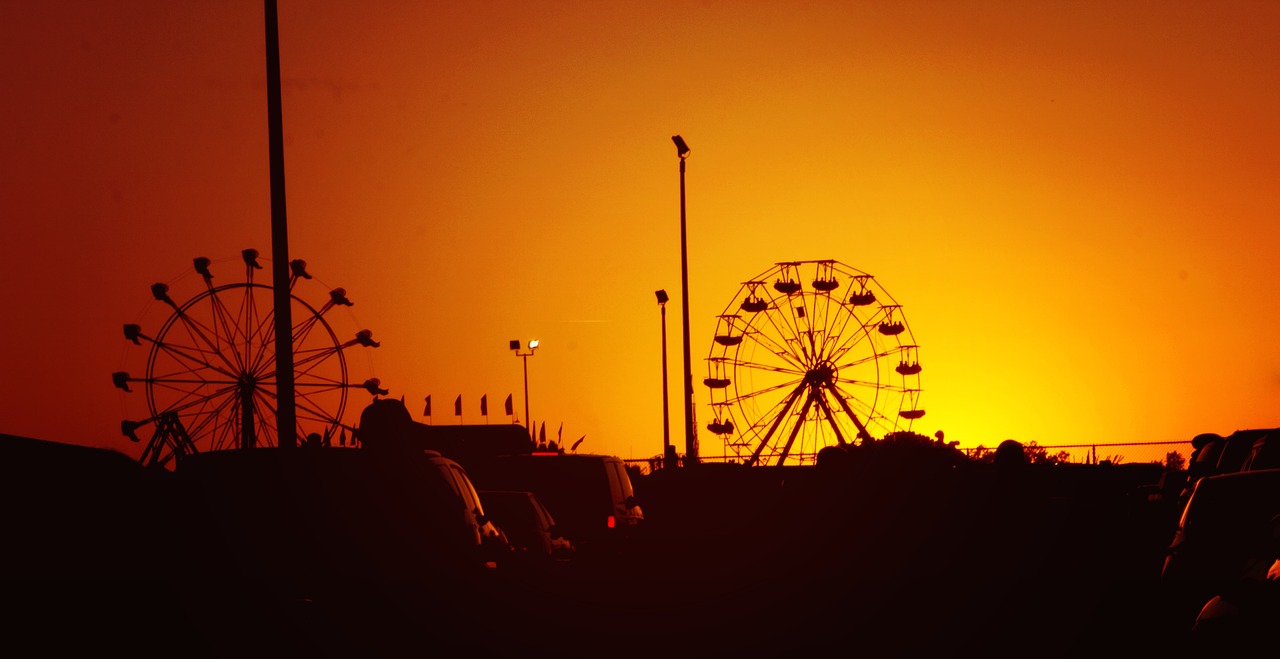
(1075,202)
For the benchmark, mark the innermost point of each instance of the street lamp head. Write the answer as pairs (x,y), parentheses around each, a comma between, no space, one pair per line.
(662,296)
(515,344)
(682,149)
(533,344)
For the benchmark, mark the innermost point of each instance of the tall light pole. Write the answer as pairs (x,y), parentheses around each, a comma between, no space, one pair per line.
(668,452)
(690,435)
(286,414)
(524,356)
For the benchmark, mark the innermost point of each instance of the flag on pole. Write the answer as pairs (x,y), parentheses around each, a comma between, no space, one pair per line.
(508,405)
(542,434)
(427,410)
(457,406)
(484,405)
(560,433)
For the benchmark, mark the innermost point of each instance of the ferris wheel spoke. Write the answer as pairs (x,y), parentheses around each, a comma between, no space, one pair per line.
(260,334)
(865,359)
(218,428)
(865,333)
(307,407)
(312,358)
(188,356)
(230,330)
(302,330)
(264,415)
(198,335)
(774,347)
(307,411)
(785,328)
(837,344)
(312,374)
(824,324)
(848,343)
(184,367)
(843,399)
(786,369)
(208,413)
(825,408)
(226,330)
(198,400)
(760,393)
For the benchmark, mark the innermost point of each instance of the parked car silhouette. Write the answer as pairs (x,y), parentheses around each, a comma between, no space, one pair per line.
(1243,615)
(536,539)
(590,496)
(1225,531)
(309,518)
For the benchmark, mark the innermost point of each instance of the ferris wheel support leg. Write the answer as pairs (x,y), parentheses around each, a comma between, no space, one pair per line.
(777,421)
(791,439)
(831,419)
(862,429)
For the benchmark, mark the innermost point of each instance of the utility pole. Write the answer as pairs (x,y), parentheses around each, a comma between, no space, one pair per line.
(286,415)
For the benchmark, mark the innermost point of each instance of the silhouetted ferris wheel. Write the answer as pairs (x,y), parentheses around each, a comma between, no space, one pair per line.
(810,354)
(210,372)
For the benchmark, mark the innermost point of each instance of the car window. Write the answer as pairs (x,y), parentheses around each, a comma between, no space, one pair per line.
(620,483)
(465,489)
(543,514)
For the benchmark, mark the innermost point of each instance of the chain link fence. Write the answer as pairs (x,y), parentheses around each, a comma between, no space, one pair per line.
(1164,453)
(1115,453)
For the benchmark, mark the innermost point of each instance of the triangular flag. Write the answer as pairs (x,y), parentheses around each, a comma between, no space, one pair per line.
(484,405)
(457,406)
(427,410)
(542,434)
(508,405)
(560,432)
(575,444)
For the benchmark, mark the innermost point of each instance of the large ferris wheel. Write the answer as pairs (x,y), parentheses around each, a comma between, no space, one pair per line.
(811,354)
(209,375)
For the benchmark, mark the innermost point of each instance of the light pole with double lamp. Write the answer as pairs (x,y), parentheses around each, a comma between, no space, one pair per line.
(524,356)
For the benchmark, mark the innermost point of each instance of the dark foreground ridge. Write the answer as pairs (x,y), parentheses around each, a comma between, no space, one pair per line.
(855,555)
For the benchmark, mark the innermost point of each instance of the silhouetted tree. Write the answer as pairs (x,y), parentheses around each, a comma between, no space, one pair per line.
(1037,454)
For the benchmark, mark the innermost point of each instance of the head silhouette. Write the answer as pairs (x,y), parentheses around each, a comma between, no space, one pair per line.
(383,421)
(1010,453)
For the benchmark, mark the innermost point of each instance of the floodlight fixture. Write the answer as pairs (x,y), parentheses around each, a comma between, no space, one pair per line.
(662,296)
(524,358)
(682,149)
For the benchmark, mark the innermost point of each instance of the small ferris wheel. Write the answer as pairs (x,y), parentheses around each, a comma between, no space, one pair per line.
(210,371)
(811,354)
